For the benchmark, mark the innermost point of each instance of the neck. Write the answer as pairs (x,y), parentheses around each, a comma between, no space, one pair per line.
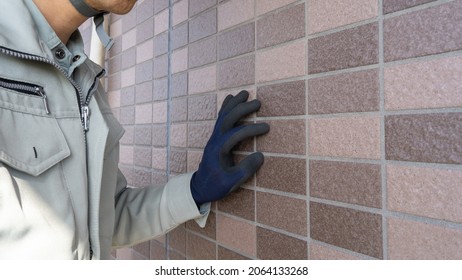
(62,17)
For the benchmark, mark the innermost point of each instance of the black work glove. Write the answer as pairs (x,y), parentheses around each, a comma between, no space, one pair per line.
(218,175)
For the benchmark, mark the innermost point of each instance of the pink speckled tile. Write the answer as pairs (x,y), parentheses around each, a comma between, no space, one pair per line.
(159,112)
(143,113)
(159,159)
(328,14)
(421,85)
(202,79)
(350,137)
(179,60)
(282,62)
(319,252)
(237,234)
(415,240)
(161,22)
(234,12)
(180,12)
(429,192)
(265,6)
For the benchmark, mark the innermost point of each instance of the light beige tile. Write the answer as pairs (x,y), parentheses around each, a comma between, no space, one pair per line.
(180,12)
(350,137)
(143,113)
(415,240)
(430,192)
(429,84)
(328,14)
(234,12)
(319,252)
(145,51)
(161,22)
(282,62)
(126,154)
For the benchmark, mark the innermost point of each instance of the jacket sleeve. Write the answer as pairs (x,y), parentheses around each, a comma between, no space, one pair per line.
(144,213)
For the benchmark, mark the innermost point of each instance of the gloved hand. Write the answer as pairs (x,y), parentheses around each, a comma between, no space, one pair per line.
(218,175)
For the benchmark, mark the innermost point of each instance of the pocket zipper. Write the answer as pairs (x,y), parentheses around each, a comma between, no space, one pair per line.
(26,88)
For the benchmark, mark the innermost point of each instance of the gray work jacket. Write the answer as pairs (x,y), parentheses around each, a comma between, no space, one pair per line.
(62,195)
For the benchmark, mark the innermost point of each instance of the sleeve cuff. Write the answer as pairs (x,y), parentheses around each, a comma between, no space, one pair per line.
(181,203)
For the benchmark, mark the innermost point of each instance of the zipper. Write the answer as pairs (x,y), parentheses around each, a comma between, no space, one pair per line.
(26,88)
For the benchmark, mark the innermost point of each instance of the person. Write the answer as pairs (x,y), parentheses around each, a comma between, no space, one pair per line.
(62,195)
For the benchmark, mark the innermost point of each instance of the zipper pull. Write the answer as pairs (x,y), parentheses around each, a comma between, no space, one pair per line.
(41,92)
(86,117)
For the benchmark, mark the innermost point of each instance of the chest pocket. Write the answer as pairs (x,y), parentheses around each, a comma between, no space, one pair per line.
(30,139)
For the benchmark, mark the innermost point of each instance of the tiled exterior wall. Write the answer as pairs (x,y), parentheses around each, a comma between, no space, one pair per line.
(364,99)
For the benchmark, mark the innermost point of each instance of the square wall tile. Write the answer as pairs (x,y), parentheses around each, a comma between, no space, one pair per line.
(179,135)
(142,156)
(178,161)
(202,80)
(282,62)
(328,14)
(159,135)
(349,48)
(238,235)
(142,177)
(179,61)
(159,158)
(347,228)
(197,6)
(234,12)
(203,52)
(144,92)
(284,26)
(236,72)
(237,41)
(283,174)
(180,12)
(226,254)
(285,137)
(390,6)
(198,248)
(429,192)
(202,107)
(177,239)
(179,84)
(143,114)
(142,134)
(179,36)
(276,246)
(240,203)
(414,240)
(284,99)
(350,92)
(159,112)
(409,36)
(355,183)
(161,22)
(265,6)
(199,133)
(421,85)
(179,109)
(424,138)
(203,25)
(350,137)
(289,214)
(320,252)
(160,66)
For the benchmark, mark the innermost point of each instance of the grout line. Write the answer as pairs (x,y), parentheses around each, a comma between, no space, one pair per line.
(347,205)
(307,137)
(383,170)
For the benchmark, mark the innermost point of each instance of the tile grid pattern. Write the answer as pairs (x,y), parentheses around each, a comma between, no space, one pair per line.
(354,125)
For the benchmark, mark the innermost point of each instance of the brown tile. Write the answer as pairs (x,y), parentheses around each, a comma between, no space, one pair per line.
(178,161)
(345,49)
(179,84)
(198,248)
(198,6)
(281,27)
(179,36)
(419,241)
(202,107)
(143,249)
(174,255)
(390,6)
(409,36)
(282,62)
(236,234)
(282,212)
(329,14)
(210,229)
(234,12)
(240,203)
(283,99)
(265,6)
(226,254)
(203,52)
(202,79)
(350,137)
(429,192)
(179,135)
(179,109)
(142,156)
(203,25)
(177,239)
(285,136)
(236,72)
(275,246)
(424,138)
(350,229)
(199,134)
(319,252)
(283,174)
(237,41)
(157,251)
(421,85)
(159,135)
(351,92)
(355,183)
